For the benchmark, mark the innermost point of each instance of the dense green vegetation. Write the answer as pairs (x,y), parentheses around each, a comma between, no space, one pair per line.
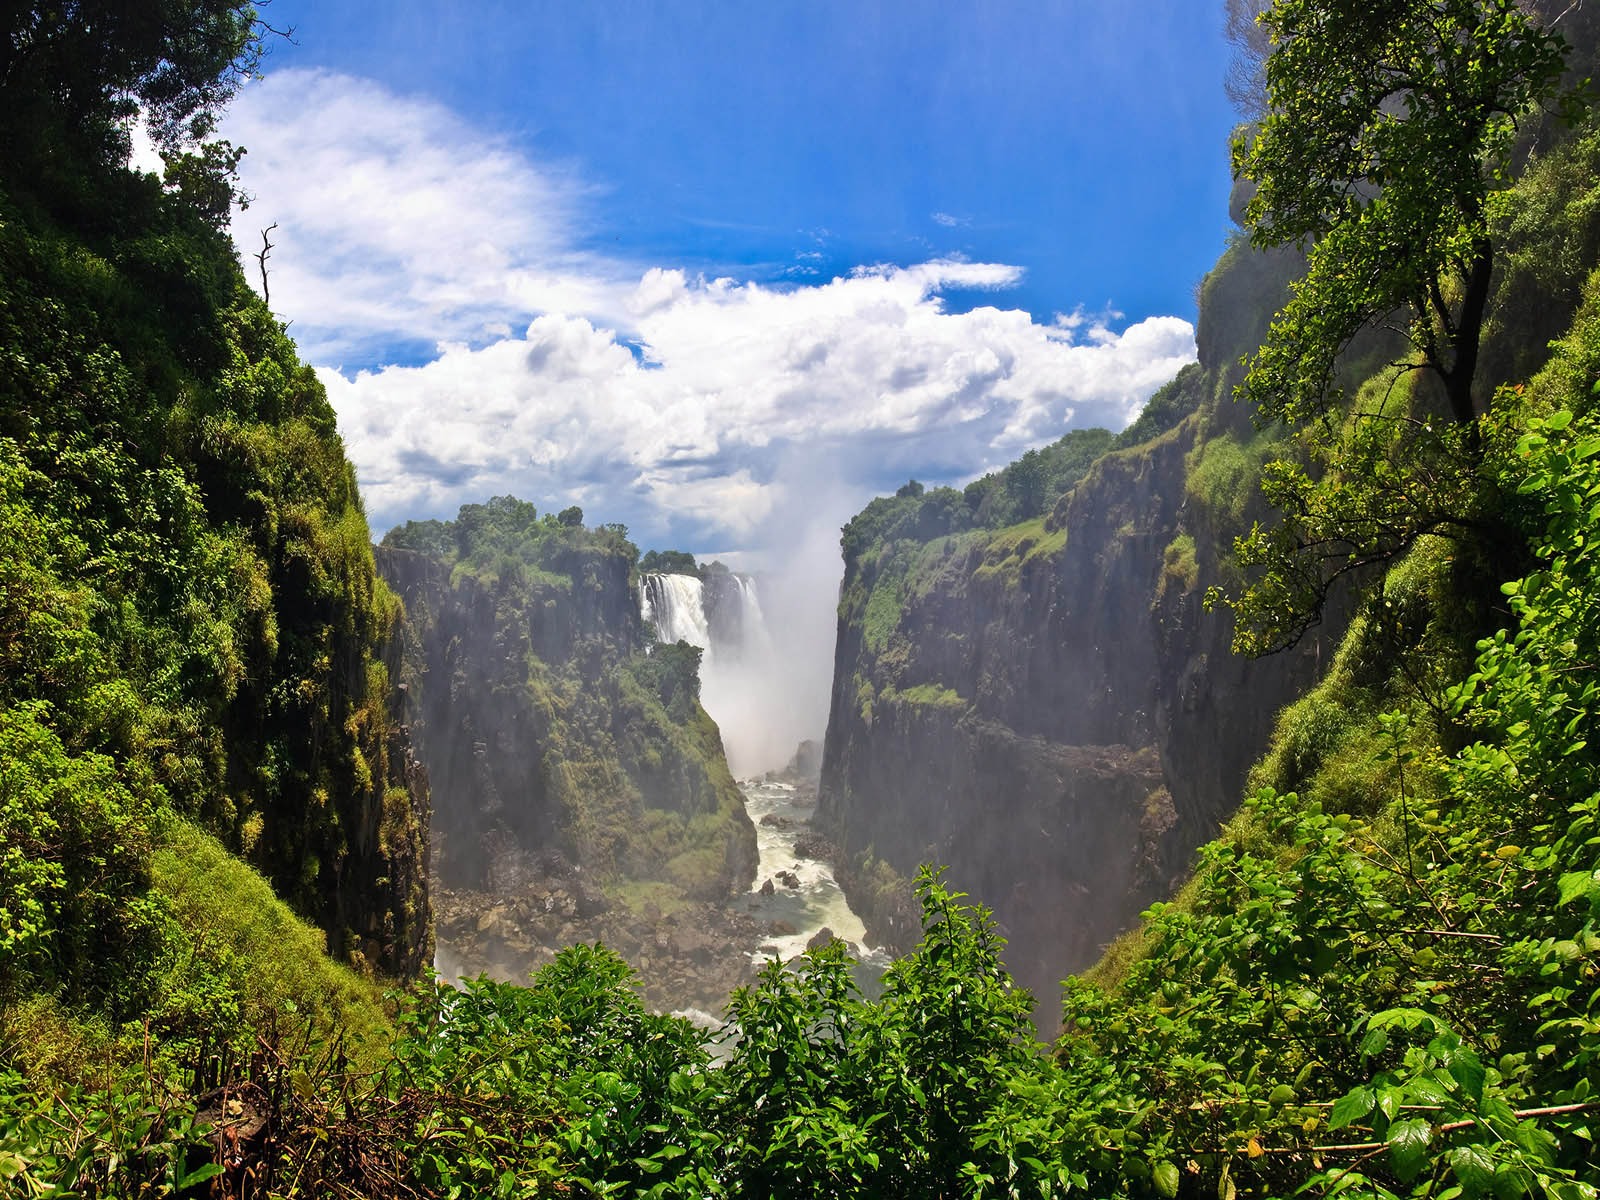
(1383,979)
(902,547)
(201,788)
(191,630)
(1401,220)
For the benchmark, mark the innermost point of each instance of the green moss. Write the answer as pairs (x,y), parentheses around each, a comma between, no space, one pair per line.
(865,695)
(930,695)
(884,607)
(1004,555)
(1180,568)
(1223,474)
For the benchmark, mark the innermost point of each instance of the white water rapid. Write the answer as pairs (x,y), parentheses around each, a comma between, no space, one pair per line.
(741,683)
(809,899)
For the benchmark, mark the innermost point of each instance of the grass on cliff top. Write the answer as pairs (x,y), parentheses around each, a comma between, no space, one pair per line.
(1008,551)
(235,962)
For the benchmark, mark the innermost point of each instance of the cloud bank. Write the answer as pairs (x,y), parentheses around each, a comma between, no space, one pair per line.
(437,277)
(434,274)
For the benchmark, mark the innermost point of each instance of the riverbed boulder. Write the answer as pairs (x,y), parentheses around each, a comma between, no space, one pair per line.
(822,937)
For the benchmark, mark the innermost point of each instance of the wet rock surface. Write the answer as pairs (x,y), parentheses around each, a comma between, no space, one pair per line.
(691,958)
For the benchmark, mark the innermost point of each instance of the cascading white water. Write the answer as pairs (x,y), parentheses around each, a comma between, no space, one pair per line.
(741,687)
(739,669)
(755,639)
(674,605)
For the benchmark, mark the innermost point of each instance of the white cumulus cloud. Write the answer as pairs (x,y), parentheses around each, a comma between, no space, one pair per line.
(433,273)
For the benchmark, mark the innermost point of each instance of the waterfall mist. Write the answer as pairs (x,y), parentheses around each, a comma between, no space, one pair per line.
(767,636)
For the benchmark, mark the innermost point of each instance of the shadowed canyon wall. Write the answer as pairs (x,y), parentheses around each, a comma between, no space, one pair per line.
(1044,706)
(555,743)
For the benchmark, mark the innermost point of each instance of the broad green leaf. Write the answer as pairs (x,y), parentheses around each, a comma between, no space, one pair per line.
(1408,1142)
(1578,883)
(1473,1167)
(1424,1089)
(1350,1107)
(1466,1070)
(199,1175)
(1165,1177)
(1389,1101)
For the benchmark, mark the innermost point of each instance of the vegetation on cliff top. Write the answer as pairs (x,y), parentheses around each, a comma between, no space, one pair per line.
(593,736)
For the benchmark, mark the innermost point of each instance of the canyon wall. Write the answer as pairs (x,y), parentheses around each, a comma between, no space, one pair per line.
(1045,707)
(557,747)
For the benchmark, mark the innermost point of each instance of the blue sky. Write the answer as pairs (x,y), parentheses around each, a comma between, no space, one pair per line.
(1083,141)
(724,271)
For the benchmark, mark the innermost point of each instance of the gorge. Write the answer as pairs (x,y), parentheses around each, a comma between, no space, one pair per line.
(1328,917)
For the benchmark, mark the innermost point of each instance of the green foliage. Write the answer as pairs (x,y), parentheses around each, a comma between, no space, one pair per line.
(1431,971)
(673,674)
(1023,491)
(190,624)
(74,878)
(1223,477)
(1180,568)
(1359,496)
(1030,487)
(1388,155)
(1547,232)
(668,562)
(238,961)
(133,1138)
(929,695)
(1170,404)
(1003,556)
(1388,131)
(74,74)
(506,538)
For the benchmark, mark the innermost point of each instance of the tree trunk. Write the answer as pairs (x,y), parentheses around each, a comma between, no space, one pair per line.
(1469,334)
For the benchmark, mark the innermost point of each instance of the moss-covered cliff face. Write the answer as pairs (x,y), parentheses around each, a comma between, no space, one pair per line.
(192,631)
(552,739)
(1044,706)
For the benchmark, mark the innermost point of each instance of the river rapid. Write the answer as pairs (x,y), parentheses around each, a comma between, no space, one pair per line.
(688,960)
(803,896)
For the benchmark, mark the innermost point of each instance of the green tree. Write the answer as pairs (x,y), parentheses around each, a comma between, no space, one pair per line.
(1390,128)
(1390,134)
(80,69)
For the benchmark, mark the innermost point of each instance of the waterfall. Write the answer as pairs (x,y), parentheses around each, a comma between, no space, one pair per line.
(755,641)
(739,675)
(674,605)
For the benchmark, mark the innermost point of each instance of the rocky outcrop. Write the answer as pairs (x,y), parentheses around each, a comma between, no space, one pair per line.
(553,742)
(1046,708)
(690,958)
